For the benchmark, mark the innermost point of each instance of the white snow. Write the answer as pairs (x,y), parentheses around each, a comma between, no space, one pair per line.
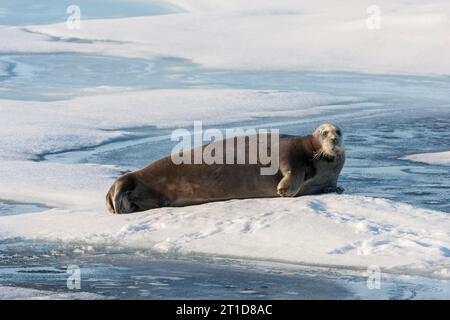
(332,230)
(68,124)
(413,37)
(75,186)
(430,158)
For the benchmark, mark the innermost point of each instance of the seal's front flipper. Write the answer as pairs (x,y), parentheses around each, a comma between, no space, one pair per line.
(290,184)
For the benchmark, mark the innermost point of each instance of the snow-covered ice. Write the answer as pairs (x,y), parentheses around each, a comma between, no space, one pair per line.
(330,230)
(432,157)
(413,37)
(48,127)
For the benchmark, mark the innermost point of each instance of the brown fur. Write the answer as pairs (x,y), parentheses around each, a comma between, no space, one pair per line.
(164,183)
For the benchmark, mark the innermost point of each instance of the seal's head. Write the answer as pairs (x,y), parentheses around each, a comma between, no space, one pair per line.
(331,140)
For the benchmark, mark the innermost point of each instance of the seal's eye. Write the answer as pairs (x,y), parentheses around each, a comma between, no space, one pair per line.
(338,132)
(325,133)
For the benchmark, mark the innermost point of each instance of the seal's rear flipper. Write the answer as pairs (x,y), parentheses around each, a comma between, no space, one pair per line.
(109,202)
(119,197)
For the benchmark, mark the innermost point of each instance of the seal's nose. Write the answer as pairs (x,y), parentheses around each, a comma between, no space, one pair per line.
(334,140)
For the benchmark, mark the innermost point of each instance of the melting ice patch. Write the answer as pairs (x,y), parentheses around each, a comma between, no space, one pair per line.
(19,293)
(430,158)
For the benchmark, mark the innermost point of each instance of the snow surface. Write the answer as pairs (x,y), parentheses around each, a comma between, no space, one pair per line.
(247,34)
(60,125)
(333,230)
(431,158)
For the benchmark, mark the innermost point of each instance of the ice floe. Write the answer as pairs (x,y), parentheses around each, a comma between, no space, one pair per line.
(431,158)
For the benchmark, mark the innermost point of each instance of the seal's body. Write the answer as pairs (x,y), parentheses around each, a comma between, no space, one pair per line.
(307,165)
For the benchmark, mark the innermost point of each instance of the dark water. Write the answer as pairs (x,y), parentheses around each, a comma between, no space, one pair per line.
(373,168)
(127,274)
(114,272)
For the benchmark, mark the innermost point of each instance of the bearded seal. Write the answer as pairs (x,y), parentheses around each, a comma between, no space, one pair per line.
(307,165)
